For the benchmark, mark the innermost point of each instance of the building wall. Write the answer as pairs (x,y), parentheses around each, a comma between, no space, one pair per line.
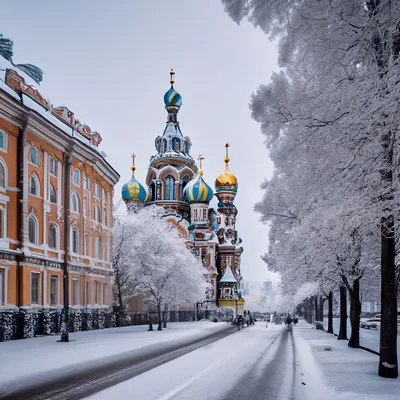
(23,254)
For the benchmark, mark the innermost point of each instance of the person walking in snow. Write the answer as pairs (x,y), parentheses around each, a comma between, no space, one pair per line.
(289,321)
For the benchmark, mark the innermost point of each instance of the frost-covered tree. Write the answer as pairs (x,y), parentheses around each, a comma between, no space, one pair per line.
(337,95)
(160,266)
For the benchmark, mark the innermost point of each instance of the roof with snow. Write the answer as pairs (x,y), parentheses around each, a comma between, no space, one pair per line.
(228,276)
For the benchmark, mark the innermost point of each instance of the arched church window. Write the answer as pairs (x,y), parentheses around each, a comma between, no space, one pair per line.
(185,181)
(165,145)
(153,191)
(169,188)
(176,145)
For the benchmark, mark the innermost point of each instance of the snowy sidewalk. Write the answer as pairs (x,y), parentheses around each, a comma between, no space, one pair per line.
(25,361)
(350,374)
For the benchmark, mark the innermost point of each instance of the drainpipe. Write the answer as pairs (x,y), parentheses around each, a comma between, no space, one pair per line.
(22,204)
(67,196)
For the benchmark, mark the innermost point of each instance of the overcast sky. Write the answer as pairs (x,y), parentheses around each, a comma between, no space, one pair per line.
(109,63)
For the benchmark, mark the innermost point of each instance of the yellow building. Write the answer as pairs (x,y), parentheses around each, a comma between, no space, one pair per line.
(56,191)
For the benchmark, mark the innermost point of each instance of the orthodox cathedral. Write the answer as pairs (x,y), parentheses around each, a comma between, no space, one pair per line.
(177,184)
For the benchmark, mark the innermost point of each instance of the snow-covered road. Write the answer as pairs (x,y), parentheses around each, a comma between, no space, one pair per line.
(255,363)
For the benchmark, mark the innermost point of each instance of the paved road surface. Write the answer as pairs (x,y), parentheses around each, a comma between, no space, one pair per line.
(256,363)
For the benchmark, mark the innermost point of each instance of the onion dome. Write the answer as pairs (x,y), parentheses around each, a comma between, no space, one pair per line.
(197,190)
(133,191)
(172,98)
(226,181)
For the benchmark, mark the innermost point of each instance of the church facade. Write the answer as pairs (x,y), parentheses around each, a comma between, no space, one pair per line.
(177,184)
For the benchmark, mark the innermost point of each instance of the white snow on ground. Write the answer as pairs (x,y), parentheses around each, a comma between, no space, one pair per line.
(368,337)
(352,374)
(43,358)
(211,372)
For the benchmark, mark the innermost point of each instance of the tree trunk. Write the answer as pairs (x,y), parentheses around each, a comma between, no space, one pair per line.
(355,314)
(330,312)
(165,317)
(343,314)
(150,323)
(388,367)
(321,308)
(159,316)
(316,308)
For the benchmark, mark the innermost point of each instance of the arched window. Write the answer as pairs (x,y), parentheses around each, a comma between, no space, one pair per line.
(33,230)
(176,145)
(105,222)
(53,236)
(75,240)
(53,196)
(77,177)
(96,213)
(153,191)
(86,182)
(185,181)
(3,178)
(34,187)
(34,156)
(99,250)
(75,202)
(96,189)
(169,188)
(52,165)
(165,145)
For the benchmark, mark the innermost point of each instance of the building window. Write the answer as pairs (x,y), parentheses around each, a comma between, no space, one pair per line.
(105,217)
(52,236)
(153,191)
(87,293)
(169,188)
(33,230)
(75,291)
(77,177)
(96,189)
(185,181)
(34,185)
(104,298)
(35,288)
(3,182)
(52,165)
(96,213)
(86,182)
(96,292)
(53,290)
(75,241)
(3,140)
(2,223)
(35,156)
(75,202)
(99,250)
(53,196)
(2,285)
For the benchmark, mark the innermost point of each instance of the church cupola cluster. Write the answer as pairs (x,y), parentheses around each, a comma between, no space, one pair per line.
(178,185)
(133,192)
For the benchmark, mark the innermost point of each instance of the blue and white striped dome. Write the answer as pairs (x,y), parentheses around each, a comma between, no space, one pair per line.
(197,190)
(172,98)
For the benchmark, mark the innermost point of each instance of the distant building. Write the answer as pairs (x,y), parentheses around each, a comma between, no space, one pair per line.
(56,191)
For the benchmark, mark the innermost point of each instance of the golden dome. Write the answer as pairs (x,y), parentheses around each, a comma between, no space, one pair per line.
(226,179)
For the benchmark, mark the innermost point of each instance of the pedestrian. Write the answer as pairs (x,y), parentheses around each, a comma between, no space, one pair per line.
(289,321)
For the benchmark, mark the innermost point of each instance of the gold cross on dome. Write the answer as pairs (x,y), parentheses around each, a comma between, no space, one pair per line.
(133,158)
(227,147)
(172,73)
(200,158)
